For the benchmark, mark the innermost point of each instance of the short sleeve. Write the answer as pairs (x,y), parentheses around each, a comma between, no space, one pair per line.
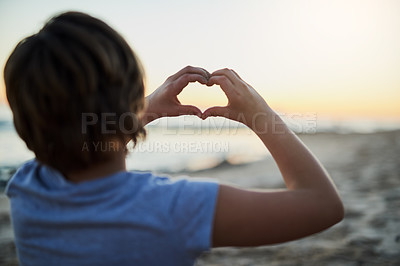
(193,213)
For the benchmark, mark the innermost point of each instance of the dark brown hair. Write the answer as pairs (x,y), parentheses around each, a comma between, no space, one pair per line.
(74,68)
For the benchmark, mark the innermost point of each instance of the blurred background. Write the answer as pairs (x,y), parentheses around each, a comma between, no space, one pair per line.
(324,65)
(330,68)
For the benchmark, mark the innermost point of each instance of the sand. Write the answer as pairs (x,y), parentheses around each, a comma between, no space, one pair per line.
(366,170)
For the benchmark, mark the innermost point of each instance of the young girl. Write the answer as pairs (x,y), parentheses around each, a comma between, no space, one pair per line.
(77,84)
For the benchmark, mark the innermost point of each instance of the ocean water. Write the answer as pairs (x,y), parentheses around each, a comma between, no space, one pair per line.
(164,149)
(187,143)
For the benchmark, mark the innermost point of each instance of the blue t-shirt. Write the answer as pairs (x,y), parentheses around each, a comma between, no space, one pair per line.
(127,218)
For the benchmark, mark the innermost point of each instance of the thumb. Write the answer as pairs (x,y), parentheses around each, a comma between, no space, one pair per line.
(216,111)
(189,110)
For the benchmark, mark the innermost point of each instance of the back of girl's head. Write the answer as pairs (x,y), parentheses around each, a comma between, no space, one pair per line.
(73,85)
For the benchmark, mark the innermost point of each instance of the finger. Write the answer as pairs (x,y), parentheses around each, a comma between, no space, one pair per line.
(240,78)
(189,110)
(178,85)
(228,73)
(225,84)
(216,111)
(190,70)
(234,72)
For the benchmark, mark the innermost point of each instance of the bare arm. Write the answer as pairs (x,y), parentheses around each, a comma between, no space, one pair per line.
(309,204)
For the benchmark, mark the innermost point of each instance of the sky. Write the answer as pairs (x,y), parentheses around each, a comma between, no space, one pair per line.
(333,58)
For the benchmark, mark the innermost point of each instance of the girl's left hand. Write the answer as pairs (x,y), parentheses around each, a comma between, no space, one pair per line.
(164,101)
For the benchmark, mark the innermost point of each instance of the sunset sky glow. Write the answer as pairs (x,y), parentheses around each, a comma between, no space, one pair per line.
(335,58)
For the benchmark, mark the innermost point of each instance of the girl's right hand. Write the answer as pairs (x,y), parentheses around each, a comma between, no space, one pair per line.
(254,217)
(244,103)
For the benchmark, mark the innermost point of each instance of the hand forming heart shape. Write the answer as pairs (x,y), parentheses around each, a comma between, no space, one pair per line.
(243,100)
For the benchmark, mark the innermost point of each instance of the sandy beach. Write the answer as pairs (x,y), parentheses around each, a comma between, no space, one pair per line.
(366,169)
